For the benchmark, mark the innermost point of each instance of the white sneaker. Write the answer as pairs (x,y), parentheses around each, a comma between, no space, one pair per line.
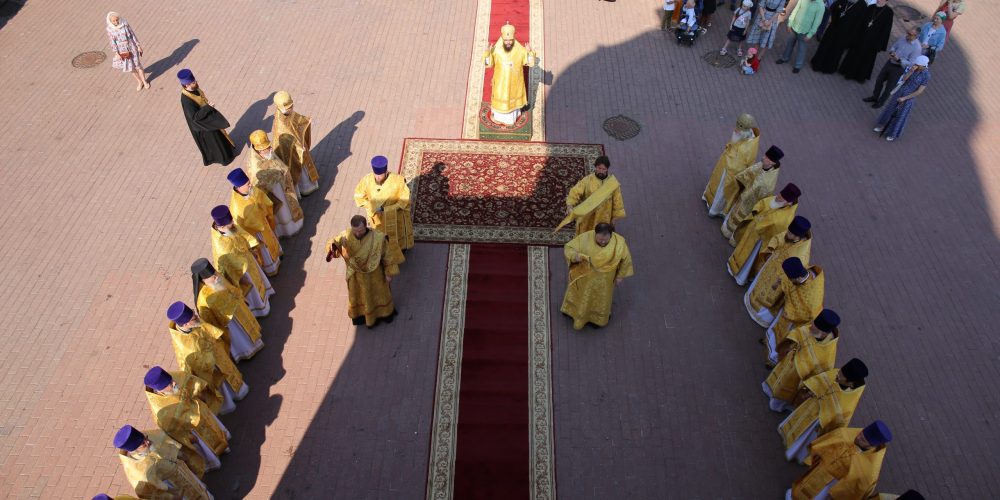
(890,138)
(877,129)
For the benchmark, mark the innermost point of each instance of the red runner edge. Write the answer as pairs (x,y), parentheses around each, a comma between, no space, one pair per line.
(502,11)
(493,438)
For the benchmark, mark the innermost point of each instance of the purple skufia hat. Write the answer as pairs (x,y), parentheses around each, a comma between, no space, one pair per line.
(185,76)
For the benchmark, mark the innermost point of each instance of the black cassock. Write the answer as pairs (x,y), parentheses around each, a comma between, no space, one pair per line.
(207,125)
(860,59)
(846,21)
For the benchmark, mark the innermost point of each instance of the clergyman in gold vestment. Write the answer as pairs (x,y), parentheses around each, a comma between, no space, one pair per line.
(596,198)
(221,304)
(598,261)
(739,153)
(370,268)
(826,401)
(508,58)
(159,467)
(253,212)
(754,183)
(173,399)
(293,133)
(808,351)
(844,463)
(202,350)
(796,241)
(386,199)
(267,171)
(232,252)
(769,218)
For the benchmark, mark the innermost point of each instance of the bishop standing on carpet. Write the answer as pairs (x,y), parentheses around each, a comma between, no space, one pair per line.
(508,58)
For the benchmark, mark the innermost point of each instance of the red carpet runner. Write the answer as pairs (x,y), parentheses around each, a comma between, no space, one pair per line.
(492,458)
(493,452)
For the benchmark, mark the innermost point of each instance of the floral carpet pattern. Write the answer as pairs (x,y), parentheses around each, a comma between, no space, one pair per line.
(500,192)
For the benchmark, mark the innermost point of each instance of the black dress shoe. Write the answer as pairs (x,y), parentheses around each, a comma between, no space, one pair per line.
(780,61)
(869,99)
(796,70)
(878,105)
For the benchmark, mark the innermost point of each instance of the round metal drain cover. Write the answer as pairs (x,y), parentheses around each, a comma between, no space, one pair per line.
(622,127)
(89,59)
(718,60)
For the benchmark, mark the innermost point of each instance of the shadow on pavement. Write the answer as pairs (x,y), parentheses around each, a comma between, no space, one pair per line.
(259,409)
(158,68)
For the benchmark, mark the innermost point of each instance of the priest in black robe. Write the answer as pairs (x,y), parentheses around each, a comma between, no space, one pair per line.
(207,125)
(846,20)
(860,58)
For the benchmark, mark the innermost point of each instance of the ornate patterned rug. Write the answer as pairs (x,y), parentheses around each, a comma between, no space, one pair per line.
(499,192)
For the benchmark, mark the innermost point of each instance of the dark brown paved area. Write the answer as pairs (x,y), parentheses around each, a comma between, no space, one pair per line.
(105,206)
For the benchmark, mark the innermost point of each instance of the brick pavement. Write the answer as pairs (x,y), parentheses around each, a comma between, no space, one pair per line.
(106,206)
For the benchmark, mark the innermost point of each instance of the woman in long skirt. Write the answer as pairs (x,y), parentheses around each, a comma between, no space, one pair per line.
(913,83)
(126,49)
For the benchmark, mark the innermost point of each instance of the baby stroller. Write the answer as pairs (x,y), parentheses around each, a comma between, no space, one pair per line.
(686,38)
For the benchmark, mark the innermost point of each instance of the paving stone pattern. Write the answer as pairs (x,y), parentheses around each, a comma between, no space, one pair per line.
(106,205)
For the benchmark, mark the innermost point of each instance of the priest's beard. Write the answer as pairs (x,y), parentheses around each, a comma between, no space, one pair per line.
(268,156)
(506,48)
(739,135)
(601,176)
(217,286)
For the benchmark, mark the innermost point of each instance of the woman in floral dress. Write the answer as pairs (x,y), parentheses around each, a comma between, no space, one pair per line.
(893,118)
(126,49)
(765,25)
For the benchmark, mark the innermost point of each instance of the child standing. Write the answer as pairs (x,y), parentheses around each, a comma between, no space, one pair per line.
(668,14)
(738,27)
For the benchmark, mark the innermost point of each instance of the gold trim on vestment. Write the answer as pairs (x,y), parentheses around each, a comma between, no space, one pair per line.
(444,429)
(543,481)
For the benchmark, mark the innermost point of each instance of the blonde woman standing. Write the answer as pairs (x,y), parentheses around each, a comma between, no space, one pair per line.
(126,48)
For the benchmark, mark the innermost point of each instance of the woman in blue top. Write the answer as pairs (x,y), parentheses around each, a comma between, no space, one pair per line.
(913,83)
(933,35)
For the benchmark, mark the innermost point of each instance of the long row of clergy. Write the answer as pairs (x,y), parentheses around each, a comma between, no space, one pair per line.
(220,327)
(785,297)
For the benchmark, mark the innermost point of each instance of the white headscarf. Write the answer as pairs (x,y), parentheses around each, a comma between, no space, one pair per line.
(114,27)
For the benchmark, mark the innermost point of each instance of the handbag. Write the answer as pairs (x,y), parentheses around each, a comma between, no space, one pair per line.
(125,55)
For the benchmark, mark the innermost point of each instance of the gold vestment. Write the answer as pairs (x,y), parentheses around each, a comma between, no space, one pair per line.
(368,261)
(832,405)
(754,184)
(293,135)
(735,157)
(179,414)
(263,173)
(611,208)
(591,285)
(834,456)
(393,197)
(254,214)
(167,460)
(805,358)
(204,352)
(508,91)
